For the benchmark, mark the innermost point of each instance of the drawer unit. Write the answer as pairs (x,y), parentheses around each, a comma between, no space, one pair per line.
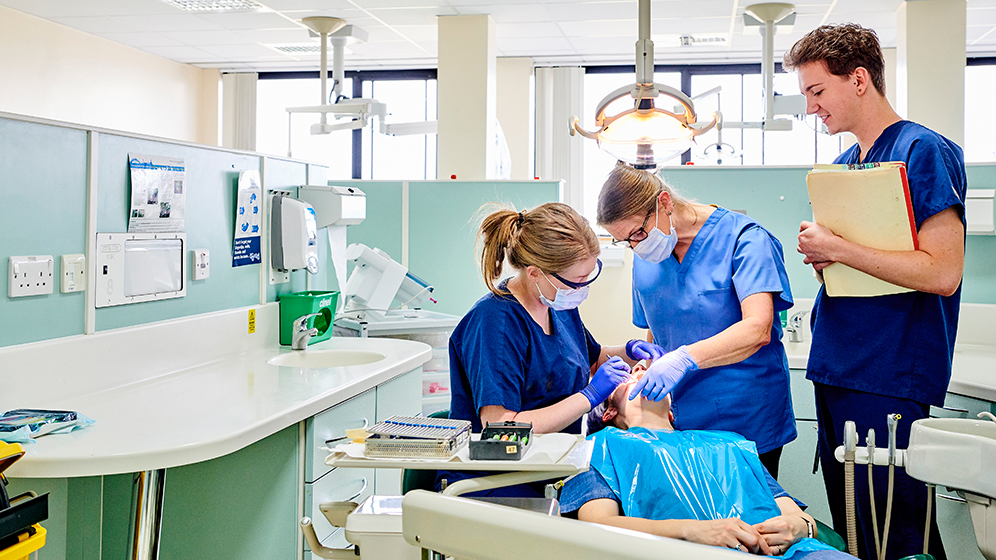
(436,384)
(397,397)
(358,412)
(339,485)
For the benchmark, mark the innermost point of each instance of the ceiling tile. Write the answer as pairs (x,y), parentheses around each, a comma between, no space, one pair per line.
(608,28)
(534,44)
(509,12)
(329,7)
(297,35)
(515,30)
(49,8)
(980,35)
(688,26)
(698,8)
(181,53)
(242,52)
(411,16)
(245,20)
(99,25)
(131,7)
(208,38)
(179,22)
(418,33)
(981,16)
(142,40)
(590,11)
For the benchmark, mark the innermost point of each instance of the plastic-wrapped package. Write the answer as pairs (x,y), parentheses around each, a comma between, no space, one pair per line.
(24,424)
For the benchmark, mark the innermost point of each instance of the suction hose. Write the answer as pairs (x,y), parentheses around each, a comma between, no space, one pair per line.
(850,445)
(870,441)
(892,420)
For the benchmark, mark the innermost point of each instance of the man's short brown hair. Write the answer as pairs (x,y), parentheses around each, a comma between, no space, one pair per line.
(843,48)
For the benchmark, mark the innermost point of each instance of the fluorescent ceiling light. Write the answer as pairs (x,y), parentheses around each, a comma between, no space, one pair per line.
(216,5)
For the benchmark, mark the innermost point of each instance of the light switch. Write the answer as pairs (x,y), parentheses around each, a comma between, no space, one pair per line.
(73,273)
(202,264)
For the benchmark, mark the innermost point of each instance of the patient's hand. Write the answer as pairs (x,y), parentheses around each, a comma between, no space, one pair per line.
(728,533)
(782,532)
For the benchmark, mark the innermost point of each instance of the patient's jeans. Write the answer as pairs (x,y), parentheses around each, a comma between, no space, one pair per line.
(834,406)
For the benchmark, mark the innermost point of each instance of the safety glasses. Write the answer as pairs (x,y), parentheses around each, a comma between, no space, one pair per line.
(591,278)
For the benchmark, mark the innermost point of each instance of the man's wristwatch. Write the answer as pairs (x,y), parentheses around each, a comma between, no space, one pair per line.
(809,527)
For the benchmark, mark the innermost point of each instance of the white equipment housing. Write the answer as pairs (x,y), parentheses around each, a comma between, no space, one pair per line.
(377,281)
(335,206)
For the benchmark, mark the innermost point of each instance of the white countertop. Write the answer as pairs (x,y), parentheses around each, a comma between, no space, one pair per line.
(973,371)
(196,413)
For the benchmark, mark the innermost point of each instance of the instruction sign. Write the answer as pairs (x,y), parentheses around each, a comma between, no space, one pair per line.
(158,194)
(247,220)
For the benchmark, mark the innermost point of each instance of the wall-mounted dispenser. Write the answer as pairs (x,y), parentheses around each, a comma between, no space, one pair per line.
(293,235)
(979,211)
(335,206)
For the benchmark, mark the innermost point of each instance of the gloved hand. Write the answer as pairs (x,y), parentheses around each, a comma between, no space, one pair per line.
(663,374)
(609,375)
(642,350)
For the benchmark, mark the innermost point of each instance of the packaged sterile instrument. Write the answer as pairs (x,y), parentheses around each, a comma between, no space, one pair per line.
(416,436)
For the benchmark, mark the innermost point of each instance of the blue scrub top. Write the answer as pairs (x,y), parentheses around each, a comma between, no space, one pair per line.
(897,345)
(731,257)
(500,356)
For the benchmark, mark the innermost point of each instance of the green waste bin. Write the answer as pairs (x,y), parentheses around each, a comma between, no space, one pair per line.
(293,306)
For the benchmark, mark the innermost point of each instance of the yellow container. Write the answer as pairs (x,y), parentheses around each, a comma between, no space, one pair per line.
(26,545)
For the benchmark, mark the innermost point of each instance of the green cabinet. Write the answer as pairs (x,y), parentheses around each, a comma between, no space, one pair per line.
(795,472)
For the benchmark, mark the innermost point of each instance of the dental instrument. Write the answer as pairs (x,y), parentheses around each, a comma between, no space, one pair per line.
(850,444)
(870,441)
(892,420)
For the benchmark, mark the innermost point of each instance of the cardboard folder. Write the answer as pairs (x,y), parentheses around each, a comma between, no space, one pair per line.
(868,204)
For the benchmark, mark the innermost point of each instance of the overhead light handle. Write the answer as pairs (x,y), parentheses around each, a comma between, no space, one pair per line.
(644,47)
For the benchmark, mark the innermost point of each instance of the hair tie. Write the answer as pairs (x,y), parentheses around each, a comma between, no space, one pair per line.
(521,218)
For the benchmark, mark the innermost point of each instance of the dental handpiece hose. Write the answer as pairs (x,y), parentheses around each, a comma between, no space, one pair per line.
(850,445)
(892,420)
(870,442)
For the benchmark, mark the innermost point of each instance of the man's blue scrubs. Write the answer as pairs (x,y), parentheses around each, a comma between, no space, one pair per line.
(872,356)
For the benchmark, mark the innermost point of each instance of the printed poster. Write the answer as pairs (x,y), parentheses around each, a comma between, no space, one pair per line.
(247,220)
(158,194)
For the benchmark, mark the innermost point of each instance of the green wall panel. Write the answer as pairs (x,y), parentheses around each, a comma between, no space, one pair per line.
(443,221)
(55,526)
(212,183)
(776,197)
(382,226)
(241,506)
(979,284)
(42,212)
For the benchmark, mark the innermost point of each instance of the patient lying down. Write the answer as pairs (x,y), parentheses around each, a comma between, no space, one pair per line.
(703,486)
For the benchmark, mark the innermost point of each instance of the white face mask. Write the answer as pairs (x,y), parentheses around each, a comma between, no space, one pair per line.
(657,247)
(565,299)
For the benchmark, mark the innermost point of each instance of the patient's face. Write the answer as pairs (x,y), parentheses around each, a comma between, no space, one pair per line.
(628,409)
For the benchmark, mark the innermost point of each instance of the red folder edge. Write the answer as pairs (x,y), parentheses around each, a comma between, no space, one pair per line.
(909,208)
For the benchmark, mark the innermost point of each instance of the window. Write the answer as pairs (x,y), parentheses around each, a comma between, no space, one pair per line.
(410,96)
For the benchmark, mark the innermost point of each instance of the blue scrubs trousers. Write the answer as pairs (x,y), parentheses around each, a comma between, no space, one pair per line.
(836,405)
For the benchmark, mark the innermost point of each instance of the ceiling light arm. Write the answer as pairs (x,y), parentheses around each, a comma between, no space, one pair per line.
(644,47)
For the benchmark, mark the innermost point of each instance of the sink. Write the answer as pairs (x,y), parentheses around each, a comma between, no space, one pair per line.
(954,452)
(317,359)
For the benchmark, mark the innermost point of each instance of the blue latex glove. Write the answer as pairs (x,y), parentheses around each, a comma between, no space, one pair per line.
(663,374)
(609,375)
(642,350)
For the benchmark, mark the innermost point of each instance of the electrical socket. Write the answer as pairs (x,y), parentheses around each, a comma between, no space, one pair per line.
(29,276)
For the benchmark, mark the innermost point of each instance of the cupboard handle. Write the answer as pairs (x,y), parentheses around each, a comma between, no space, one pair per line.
(953,498)
(357,495)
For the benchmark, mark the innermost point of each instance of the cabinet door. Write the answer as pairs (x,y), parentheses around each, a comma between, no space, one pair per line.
(795,472)
(340,485)
(357,412)
(803,395)
(401,396)
(955,524)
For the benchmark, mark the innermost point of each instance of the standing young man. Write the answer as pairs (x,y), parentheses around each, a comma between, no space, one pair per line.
(887,354)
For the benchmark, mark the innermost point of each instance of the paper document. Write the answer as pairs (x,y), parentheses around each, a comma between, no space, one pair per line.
(868,204)
(158,194)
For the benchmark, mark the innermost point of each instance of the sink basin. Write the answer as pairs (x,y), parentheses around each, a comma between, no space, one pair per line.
(325,358)
(954,452)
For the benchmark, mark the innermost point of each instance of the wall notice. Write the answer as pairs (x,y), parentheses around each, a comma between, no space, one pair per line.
(158,194)
(247,220)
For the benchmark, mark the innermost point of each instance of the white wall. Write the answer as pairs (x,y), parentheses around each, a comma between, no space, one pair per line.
(51,71)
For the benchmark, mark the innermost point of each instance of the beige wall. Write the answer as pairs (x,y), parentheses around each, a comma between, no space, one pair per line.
(608,311)
(54,72)
(513,112)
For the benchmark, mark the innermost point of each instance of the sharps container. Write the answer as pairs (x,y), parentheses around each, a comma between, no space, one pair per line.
(299,304)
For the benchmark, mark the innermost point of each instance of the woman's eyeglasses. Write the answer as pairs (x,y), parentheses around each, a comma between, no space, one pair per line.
(638,235)
(576,285)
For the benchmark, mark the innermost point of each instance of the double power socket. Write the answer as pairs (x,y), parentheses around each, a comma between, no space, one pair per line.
(33,275)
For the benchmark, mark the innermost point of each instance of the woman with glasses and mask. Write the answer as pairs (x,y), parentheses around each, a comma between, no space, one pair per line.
(707,283)
(522,353)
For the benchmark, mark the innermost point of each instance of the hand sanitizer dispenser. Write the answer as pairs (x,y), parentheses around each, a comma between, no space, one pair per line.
(294,235)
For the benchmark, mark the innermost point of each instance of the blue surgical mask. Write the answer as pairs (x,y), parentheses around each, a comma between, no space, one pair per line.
(657,247)
(565,299)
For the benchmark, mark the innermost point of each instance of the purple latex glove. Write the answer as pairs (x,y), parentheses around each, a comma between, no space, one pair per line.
(663,374)
(609,375)
(642,350)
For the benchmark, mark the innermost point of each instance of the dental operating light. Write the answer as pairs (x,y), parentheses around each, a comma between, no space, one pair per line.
(645,135)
